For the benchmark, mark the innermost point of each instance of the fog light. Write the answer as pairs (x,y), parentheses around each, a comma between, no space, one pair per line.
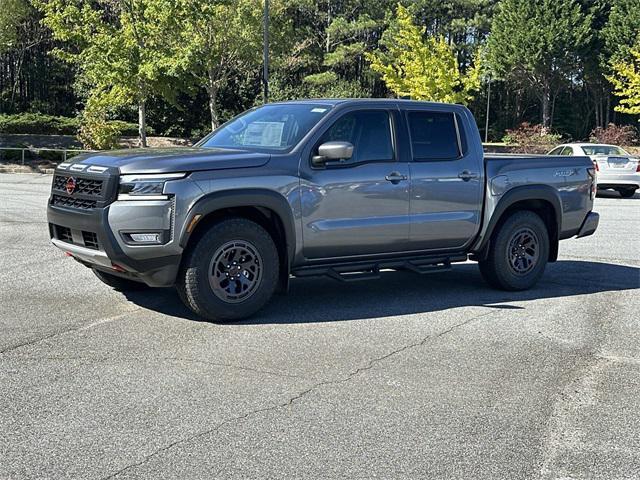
(145,237)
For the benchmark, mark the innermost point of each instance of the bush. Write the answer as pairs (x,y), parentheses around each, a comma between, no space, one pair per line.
(531,138)
(128,129)
(96,132)
(38,124)
(615,135)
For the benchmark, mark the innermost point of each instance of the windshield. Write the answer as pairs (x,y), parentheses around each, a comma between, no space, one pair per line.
(603,150)
(271,128)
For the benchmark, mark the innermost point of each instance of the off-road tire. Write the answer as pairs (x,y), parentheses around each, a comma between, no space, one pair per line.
(193,283)
(118,283)
(627,192)
(498,270)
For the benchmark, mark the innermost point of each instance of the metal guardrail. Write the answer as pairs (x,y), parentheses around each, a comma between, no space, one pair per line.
(37,150)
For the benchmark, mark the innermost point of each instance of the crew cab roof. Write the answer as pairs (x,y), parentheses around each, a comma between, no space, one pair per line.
(365,101)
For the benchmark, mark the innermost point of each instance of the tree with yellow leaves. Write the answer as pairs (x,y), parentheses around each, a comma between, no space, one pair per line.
(422,68)
(626,82)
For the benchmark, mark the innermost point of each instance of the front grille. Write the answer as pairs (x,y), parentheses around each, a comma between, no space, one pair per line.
(71,202)
(90,240)
(84,186)
(64,234)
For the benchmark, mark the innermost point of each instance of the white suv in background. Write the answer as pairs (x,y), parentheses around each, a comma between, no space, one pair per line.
(617,169)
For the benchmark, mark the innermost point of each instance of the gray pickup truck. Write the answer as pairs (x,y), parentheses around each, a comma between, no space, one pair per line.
(342,188)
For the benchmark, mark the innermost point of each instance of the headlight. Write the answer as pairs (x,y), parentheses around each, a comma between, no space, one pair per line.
(145,187)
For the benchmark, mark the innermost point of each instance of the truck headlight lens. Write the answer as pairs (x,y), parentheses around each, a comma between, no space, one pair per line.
(145,187)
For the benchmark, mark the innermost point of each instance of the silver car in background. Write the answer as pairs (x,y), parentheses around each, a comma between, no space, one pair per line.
(616,168)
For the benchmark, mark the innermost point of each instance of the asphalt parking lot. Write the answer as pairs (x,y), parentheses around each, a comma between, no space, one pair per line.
(405,377)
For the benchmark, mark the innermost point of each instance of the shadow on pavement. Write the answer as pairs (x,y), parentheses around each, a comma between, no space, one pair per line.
(614,194)
(402,293)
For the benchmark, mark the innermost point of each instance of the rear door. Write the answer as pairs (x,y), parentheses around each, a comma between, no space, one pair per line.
(359,206)
(447,179)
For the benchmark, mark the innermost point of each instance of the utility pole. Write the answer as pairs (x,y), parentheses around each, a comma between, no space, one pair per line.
(265,52)
(486,124)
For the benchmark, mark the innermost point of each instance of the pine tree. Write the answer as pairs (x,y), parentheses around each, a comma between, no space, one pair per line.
(537,43)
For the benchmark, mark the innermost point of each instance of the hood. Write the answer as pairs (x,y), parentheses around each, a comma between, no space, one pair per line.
(170,160)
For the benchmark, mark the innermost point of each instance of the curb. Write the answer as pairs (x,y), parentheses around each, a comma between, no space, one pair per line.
(21,169)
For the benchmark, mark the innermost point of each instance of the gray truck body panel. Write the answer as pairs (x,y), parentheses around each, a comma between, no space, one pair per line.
(329,215)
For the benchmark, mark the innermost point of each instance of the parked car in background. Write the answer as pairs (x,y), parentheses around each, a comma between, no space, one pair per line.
(617,169)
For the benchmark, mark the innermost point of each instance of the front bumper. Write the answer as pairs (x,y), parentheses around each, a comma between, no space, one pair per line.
(589,225)
(155,265)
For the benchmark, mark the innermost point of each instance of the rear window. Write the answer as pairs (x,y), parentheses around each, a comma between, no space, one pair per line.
(433,136)
(603,150)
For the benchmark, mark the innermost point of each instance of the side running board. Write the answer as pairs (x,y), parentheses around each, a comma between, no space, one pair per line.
(352,272)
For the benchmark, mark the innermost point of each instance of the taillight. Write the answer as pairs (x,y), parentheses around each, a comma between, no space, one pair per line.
(593,190)
(595,164)
(638,167)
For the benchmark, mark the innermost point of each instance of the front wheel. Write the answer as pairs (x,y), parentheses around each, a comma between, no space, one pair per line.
(518,253)
(231,272)
(627,192)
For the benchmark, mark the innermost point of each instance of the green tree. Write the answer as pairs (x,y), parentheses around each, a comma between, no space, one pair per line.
(621,31)
(12,15)
(464,23)
(592,66)
(424,69)
(353,29)
(20,31)
(319,46)
(217,40)
(537,43)
(626,81)
(119,49)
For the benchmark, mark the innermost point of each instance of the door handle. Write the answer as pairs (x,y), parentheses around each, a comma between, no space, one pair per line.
(466,175)
(395,177)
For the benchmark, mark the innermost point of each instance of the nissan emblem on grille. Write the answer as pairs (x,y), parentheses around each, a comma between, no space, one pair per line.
(70,185)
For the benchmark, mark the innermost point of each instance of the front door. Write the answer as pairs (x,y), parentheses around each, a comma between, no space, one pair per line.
(359,206)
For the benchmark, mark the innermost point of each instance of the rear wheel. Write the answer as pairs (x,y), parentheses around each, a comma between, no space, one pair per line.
(231,272)
(627,192)
(518,253)
(118,283)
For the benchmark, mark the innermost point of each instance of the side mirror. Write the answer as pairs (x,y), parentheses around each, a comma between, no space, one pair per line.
(332,151)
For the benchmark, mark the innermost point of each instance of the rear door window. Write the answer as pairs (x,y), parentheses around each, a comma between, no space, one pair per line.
(556,151)
(434,136)
(567,151)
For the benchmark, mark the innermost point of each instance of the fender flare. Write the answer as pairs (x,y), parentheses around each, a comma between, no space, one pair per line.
(519,194)
(251,197)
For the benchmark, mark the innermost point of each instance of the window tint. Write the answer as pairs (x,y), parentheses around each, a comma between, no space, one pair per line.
(463,135)
(433,136)
(603,150)
(368,131)
(555,151)
(567,151)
